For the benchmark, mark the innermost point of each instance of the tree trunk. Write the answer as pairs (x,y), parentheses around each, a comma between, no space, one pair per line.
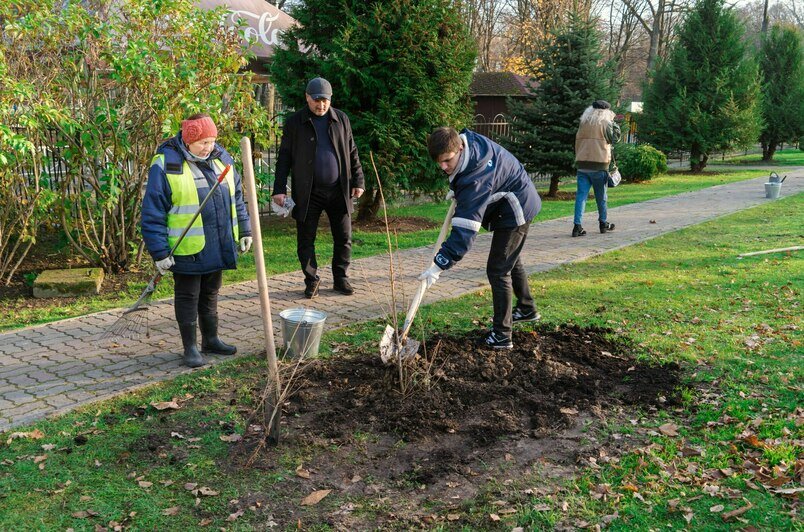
(768,151)
(553,191)
(698,160)
(369,205)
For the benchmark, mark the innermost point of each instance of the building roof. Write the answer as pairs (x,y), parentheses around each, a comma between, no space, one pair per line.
(500,84)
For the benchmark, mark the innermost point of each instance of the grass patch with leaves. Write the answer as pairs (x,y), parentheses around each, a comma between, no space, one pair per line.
(279,238)
(735,444)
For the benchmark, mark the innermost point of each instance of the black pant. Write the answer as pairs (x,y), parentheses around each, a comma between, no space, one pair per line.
(331,201)
(196,294)
(505,272)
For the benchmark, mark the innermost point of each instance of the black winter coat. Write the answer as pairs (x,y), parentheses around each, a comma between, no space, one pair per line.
(297,158)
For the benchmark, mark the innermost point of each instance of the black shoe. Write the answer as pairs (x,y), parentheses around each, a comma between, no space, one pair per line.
(210,343)
(577,230)
(606,227)
(192,358)
(521,316)
(343,286)
(497,341)
(311,290)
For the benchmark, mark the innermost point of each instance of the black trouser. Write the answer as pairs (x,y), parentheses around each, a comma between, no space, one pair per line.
(505,272)
(196,294)
(331,201)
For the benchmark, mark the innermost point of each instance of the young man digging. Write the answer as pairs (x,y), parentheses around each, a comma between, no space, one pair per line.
(492,190)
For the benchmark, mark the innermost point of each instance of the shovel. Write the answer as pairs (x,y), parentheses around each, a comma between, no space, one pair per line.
(393,347)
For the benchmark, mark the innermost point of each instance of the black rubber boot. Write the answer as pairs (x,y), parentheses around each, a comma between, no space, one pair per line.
(577,230)
(210,343)
(192,358)
(606,227)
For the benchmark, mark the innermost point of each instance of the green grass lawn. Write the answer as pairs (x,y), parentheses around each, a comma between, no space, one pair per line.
(279,238)
(786,157)
(734,325)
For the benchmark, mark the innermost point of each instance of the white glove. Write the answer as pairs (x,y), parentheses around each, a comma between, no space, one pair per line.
(164,265)
(450,195)
(431,274)
(283,210)
(245,244)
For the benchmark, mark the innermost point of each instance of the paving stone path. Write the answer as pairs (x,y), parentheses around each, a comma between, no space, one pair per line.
(53,368)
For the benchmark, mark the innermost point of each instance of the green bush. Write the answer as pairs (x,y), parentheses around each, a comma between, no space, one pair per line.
(639,162)
(801,143)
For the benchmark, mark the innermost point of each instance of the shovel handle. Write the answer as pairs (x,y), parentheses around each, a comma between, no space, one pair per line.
(417,298)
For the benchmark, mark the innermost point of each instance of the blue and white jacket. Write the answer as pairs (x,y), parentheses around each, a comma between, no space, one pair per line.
(492,190)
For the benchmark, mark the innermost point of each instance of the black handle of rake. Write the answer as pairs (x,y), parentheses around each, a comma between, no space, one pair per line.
(146,294)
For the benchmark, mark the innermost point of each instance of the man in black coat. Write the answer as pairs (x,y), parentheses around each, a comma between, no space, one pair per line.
(318,149)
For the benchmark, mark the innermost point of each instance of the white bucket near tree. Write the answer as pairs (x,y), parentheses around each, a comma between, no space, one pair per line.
(301,331)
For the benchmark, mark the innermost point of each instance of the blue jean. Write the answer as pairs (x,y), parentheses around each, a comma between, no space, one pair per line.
(587,179)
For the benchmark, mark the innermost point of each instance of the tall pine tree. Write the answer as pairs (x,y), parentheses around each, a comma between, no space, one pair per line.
(398,68)
(705,96)
(571,74)
(780,60)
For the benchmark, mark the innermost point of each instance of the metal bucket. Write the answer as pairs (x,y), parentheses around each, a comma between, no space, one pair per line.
(301,331)
(772,190)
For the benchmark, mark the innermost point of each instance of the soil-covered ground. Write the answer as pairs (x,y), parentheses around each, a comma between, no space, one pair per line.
(471,417)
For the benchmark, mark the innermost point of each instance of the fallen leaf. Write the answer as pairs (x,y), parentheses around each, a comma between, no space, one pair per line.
(80,515)
(568,411)
(40,458)
(739,511)
(315,497)
(48,447)
(33,435)
(231,438)
(145,484)
(302,473)
(453,517)
(716,508)
(234,516)
(173,510)
(542,507)
(205,522)
(209,492)
(494,517)
(166,405)
(669,429)
(190,486)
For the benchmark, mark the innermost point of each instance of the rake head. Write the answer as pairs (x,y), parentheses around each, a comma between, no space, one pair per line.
(132,324)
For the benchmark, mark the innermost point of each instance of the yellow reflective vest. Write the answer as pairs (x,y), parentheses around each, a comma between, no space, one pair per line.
(184,188)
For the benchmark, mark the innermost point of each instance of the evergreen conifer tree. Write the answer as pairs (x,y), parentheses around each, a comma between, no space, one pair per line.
(780,60)
(705,96)
(570,75)
(398,68)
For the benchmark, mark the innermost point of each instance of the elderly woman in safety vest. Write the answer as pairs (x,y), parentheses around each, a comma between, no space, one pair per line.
(182,174)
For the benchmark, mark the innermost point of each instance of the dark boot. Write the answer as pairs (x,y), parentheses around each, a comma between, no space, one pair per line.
(210,343)
(577,230)
(192,358)
(606,227)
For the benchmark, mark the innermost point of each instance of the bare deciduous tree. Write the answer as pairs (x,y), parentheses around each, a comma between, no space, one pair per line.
(484,18)
(658,18)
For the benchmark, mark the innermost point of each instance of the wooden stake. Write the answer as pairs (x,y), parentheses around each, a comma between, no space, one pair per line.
(273,408)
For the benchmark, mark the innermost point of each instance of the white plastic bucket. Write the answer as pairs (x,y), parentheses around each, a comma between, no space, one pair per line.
(301,331)
(772,190)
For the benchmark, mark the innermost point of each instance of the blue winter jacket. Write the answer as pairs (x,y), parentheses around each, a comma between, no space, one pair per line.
(220,249)
(492,190)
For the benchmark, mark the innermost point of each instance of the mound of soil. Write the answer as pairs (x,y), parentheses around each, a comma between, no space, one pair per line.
(468,409)
(397,224)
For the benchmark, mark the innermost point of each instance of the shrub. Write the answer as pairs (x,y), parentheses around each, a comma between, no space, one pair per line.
(639,162)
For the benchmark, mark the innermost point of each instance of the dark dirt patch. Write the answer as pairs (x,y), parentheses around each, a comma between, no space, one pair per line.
(397,224)
(486,415)
(561,195)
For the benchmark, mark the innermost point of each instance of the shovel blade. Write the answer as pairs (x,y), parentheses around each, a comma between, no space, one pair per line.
(392,350)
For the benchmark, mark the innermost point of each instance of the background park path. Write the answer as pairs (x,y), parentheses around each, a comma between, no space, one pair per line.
(56,367)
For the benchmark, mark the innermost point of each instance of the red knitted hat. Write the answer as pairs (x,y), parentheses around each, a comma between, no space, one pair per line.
(195,130)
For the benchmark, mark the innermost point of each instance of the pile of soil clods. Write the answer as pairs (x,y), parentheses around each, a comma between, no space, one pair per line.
(462,388)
